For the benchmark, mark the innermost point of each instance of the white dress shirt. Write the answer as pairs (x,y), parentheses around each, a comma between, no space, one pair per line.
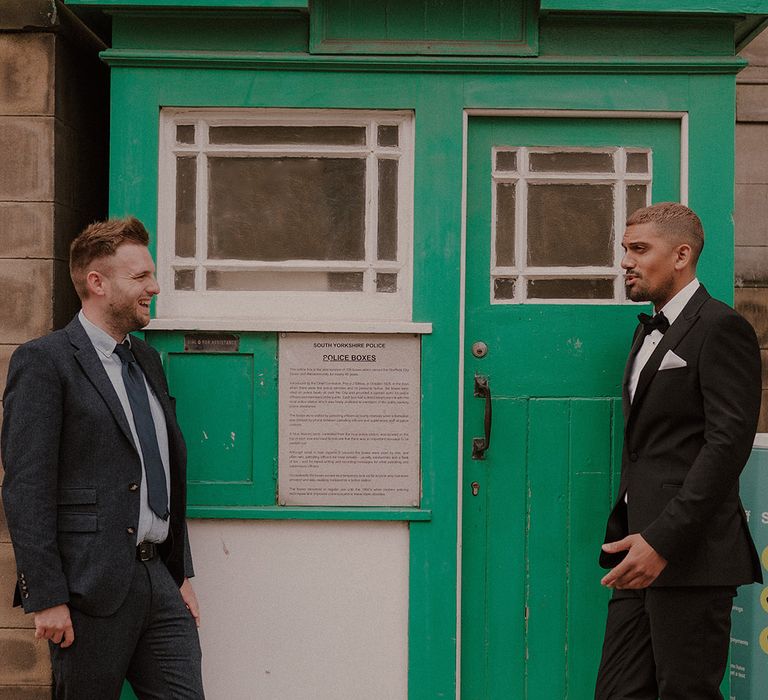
(151,528)
(672,309)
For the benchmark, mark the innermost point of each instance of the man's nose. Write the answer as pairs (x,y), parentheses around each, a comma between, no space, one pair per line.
(627,262)
(154,287)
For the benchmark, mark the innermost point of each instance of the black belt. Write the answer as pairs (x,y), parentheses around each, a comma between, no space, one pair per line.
(147,550)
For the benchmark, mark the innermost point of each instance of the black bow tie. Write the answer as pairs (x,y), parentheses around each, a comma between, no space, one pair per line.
(658,322)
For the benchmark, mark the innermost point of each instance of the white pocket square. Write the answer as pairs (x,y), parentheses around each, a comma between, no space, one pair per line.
(671,361)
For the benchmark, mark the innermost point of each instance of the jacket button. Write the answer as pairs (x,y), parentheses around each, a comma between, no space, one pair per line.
(633,456)
(133,487)
(26,595)
(131,530)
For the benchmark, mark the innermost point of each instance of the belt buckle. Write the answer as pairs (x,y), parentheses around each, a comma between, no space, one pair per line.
(145,551)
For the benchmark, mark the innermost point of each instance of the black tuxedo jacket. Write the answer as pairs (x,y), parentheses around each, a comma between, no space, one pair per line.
(71,470)
(687,435)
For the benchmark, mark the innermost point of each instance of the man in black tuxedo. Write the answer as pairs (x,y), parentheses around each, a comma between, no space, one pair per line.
(677,537)
(94,487)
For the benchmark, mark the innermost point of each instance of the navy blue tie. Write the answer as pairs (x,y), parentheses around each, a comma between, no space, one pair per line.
(133,379)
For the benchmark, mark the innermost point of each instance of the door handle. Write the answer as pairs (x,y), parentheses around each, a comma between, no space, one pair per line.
(483,391)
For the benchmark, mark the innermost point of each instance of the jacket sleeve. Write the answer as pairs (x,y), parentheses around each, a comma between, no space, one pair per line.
(33,409)
(730,384)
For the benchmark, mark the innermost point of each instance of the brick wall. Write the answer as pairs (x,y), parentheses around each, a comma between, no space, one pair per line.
(751,213)
(53,180)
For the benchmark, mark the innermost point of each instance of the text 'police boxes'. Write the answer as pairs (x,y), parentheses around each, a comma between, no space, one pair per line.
(349,420)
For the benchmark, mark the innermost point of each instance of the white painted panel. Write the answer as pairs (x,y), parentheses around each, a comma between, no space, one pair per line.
(293,610)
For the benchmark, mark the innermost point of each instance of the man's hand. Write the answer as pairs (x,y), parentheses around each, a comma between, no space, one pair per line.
(640,568)
(55,624)
(190,600)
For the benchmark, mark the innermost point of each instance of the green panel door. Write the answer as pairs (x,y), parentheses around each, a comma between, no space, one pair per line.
(226,403)
(546,201)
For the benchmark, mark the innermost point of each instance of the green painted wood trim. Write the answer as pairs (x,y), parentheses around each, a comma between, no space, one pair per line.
(366,27)
(421,64)
(307,513)
(195,4)
(719,7)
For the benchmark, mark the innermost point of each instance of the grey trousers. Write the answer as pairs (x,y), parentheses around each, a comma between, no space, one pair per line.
(151,640)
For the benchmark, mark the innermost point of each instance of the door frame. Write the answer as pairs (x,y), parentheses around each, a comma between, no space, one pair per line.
(682,117)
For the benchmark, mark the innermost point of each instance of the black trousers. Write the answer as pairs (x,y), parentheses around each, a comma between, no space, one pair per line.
(151,640)
(669,643)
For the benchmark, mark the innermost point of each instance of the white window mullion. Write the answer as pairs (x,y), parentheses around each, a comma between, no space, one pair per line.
(201,207)
(521,225)
(371,210)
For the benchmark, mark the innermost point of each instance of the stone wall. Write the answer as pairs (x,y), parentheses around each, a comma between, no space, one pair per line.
(54,104)
(751,213)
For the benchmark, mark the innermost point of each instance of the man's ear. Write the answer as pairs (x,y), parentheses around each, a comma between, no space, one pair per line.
(683,256)
(94,283)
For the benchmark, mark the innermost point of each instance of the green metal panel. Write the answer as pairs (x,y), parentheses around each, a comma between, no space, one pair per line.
(735,7)
(193,4)
(252,31)
(227,408)
(506,27)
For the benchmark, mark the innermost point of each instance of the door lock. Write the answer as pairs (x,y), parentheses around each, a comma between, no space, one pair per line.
(475,488)
(479,349)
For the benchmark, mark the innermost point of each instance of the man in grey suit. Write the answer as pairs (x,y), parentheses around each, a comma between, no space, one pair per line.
(94,487)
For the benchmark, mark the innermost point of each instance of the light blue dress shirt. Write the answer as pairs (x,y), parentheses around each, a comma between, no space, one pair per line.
(151,528)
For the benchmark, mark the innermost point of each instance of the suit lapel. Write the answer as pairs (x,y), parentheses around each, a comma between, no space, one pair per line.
(676,332)
(86,356)
(637,342)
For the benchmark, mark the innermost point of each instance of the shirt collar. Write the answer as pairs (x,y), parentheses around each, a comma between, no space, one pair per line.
(674,307)
(101,340)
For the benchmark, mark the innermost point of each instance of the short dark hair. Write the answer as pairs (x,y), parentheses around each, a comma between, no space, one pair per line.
(673,219)
(101,239)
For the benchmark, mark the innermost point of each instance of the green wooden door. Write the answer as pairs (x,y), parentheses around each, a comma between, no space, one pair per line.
(532,605)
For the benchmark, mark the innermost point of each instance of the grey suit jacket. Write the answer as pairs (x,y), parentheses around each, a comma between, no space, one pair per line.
(687,435)
(71,470)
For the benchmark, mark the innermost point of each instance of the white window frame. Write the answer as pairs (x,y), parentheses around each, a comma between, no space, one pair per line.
(618,178)
(287,307)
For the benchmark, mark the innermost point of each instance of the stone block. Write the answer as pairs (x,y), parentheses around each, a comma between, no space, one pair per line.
(751,215)
(26,173)
(10,616)
(27,75)
(29,14)
(26,661)
(24,692)
(756,52)
(26,229)
(27,309)
(751,153)
(752,103)
(752,303)
(751,266)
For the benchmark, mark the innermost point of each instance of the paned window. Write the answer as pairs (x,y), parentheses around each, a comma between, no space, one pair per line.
(558,220)
(294,214)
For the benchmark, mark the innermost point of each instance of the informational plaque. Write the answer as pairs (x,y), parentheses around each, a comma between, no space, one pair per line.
(349,420)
